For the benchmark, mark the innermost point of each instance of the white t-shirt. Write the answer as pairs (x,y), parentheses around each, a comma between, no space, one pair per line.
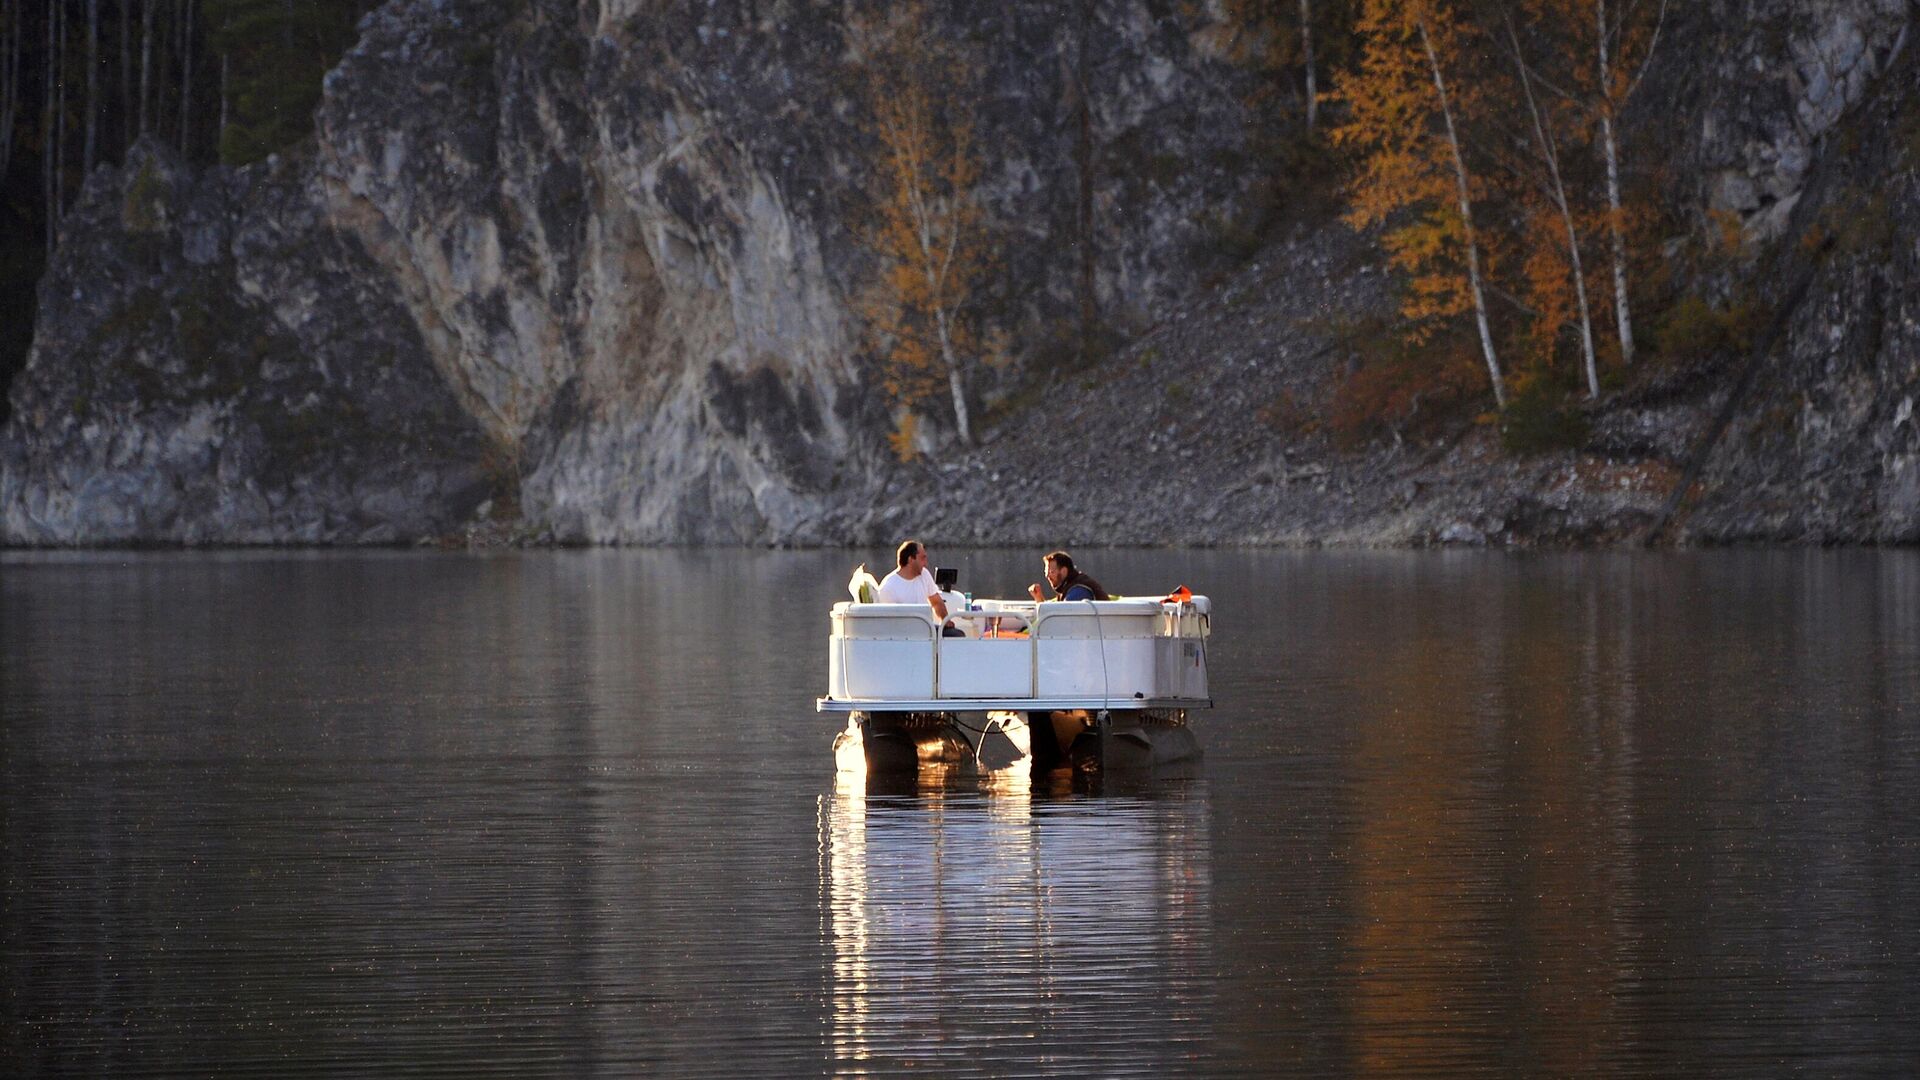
(898,590)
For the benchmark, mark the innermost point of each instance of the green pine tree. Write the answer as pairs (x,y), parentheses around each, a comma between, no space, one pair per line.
(277,53)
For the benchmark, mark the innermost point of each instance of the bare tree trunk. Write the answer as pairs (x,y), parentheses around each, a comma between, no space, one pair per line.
(1466,219)
(92,138)
(59,62)
(1306,48)
(146,57)
(1550,155)
(186,75)
(936,268)
(166,53)
(15,84)
(1083,161)
(962,425)
(49,149)
(125,109)
(9,79)
(1610,150)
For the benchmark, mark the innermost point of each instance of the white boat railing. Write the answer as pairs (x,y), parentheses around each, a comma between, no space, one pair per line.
(1120,654)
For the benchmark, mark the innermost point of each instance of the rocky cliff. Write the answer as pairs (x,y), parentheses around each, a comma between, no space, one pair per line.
(608,247)
(215,363)
(588,268)
(1822,445)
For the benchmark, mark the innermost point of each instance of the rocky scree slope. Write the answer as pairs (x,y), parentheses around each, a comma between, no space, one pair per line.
(1203,433)
(1803,129)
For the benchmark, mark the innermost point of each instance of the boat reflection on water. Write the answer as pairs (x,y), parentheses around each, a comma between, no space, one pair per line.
(1058,926)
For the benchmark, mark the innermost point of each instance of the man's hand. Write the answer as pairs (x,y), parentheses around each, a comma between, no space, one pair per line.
(1034,591)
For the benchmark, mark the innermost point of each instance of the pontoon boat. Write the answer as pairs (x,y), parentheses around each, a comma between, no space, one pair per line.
(1085,682)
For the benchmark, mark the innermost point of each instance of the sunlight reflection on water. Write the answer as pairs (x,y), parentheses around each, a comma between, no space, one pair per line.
(970,925)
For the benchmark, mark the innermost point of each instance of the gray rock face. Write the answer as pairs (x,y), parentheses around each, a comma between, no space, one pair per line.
(592,267)
(1827,449)
(1781,76)
(214,364)
(627,231)
(619,235)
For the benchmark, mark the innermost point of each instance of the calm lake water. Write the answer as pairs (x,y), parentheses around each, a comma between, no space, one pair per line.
(572,813)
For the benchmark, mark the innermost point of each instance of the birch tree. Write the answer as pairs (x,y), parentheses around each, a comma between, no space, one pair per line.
(1279,37)
(1079,109)
(1306,52)
(146,57)
(1624,42)
(92,140)
(929,233)
(125,110)
(1547,151)
(55,125)
(186,74)
(1413,177)
(12,31)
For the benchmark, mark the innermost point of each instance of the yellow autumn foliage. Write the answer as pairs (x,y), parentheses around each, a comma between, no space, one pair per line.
(927,227)
(1406,178)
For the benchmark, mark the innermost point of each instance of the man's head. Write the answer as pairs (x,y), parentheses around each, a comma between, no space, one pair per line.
(912,554)
(1059,566)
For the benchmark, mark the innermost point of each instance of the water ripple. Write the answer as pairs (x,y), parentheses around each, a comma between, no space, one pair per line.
(400,814)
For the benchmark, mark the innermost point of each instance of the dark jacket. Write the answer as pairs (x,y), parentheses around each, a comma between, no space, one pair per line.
(1076,577)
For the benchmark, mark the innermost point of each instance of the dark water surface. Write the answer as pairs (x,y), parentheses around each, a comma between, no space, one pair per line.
(572,813)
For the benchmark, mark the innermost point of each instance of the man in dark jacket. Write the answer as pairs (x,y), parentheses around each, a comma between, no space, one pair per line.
(1068,583)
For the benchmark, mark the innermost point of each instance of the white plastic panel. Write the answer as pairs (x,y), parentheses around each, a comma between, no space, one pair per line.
(971,668)
(1072,667)
(863,670)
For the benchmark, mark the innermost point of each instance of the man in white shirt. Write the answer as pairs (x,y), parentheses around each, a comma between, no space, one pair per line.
(912,582)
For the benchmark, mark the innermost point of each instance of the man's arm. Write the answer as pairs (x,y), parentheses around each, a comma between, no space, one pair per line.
(939,606)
